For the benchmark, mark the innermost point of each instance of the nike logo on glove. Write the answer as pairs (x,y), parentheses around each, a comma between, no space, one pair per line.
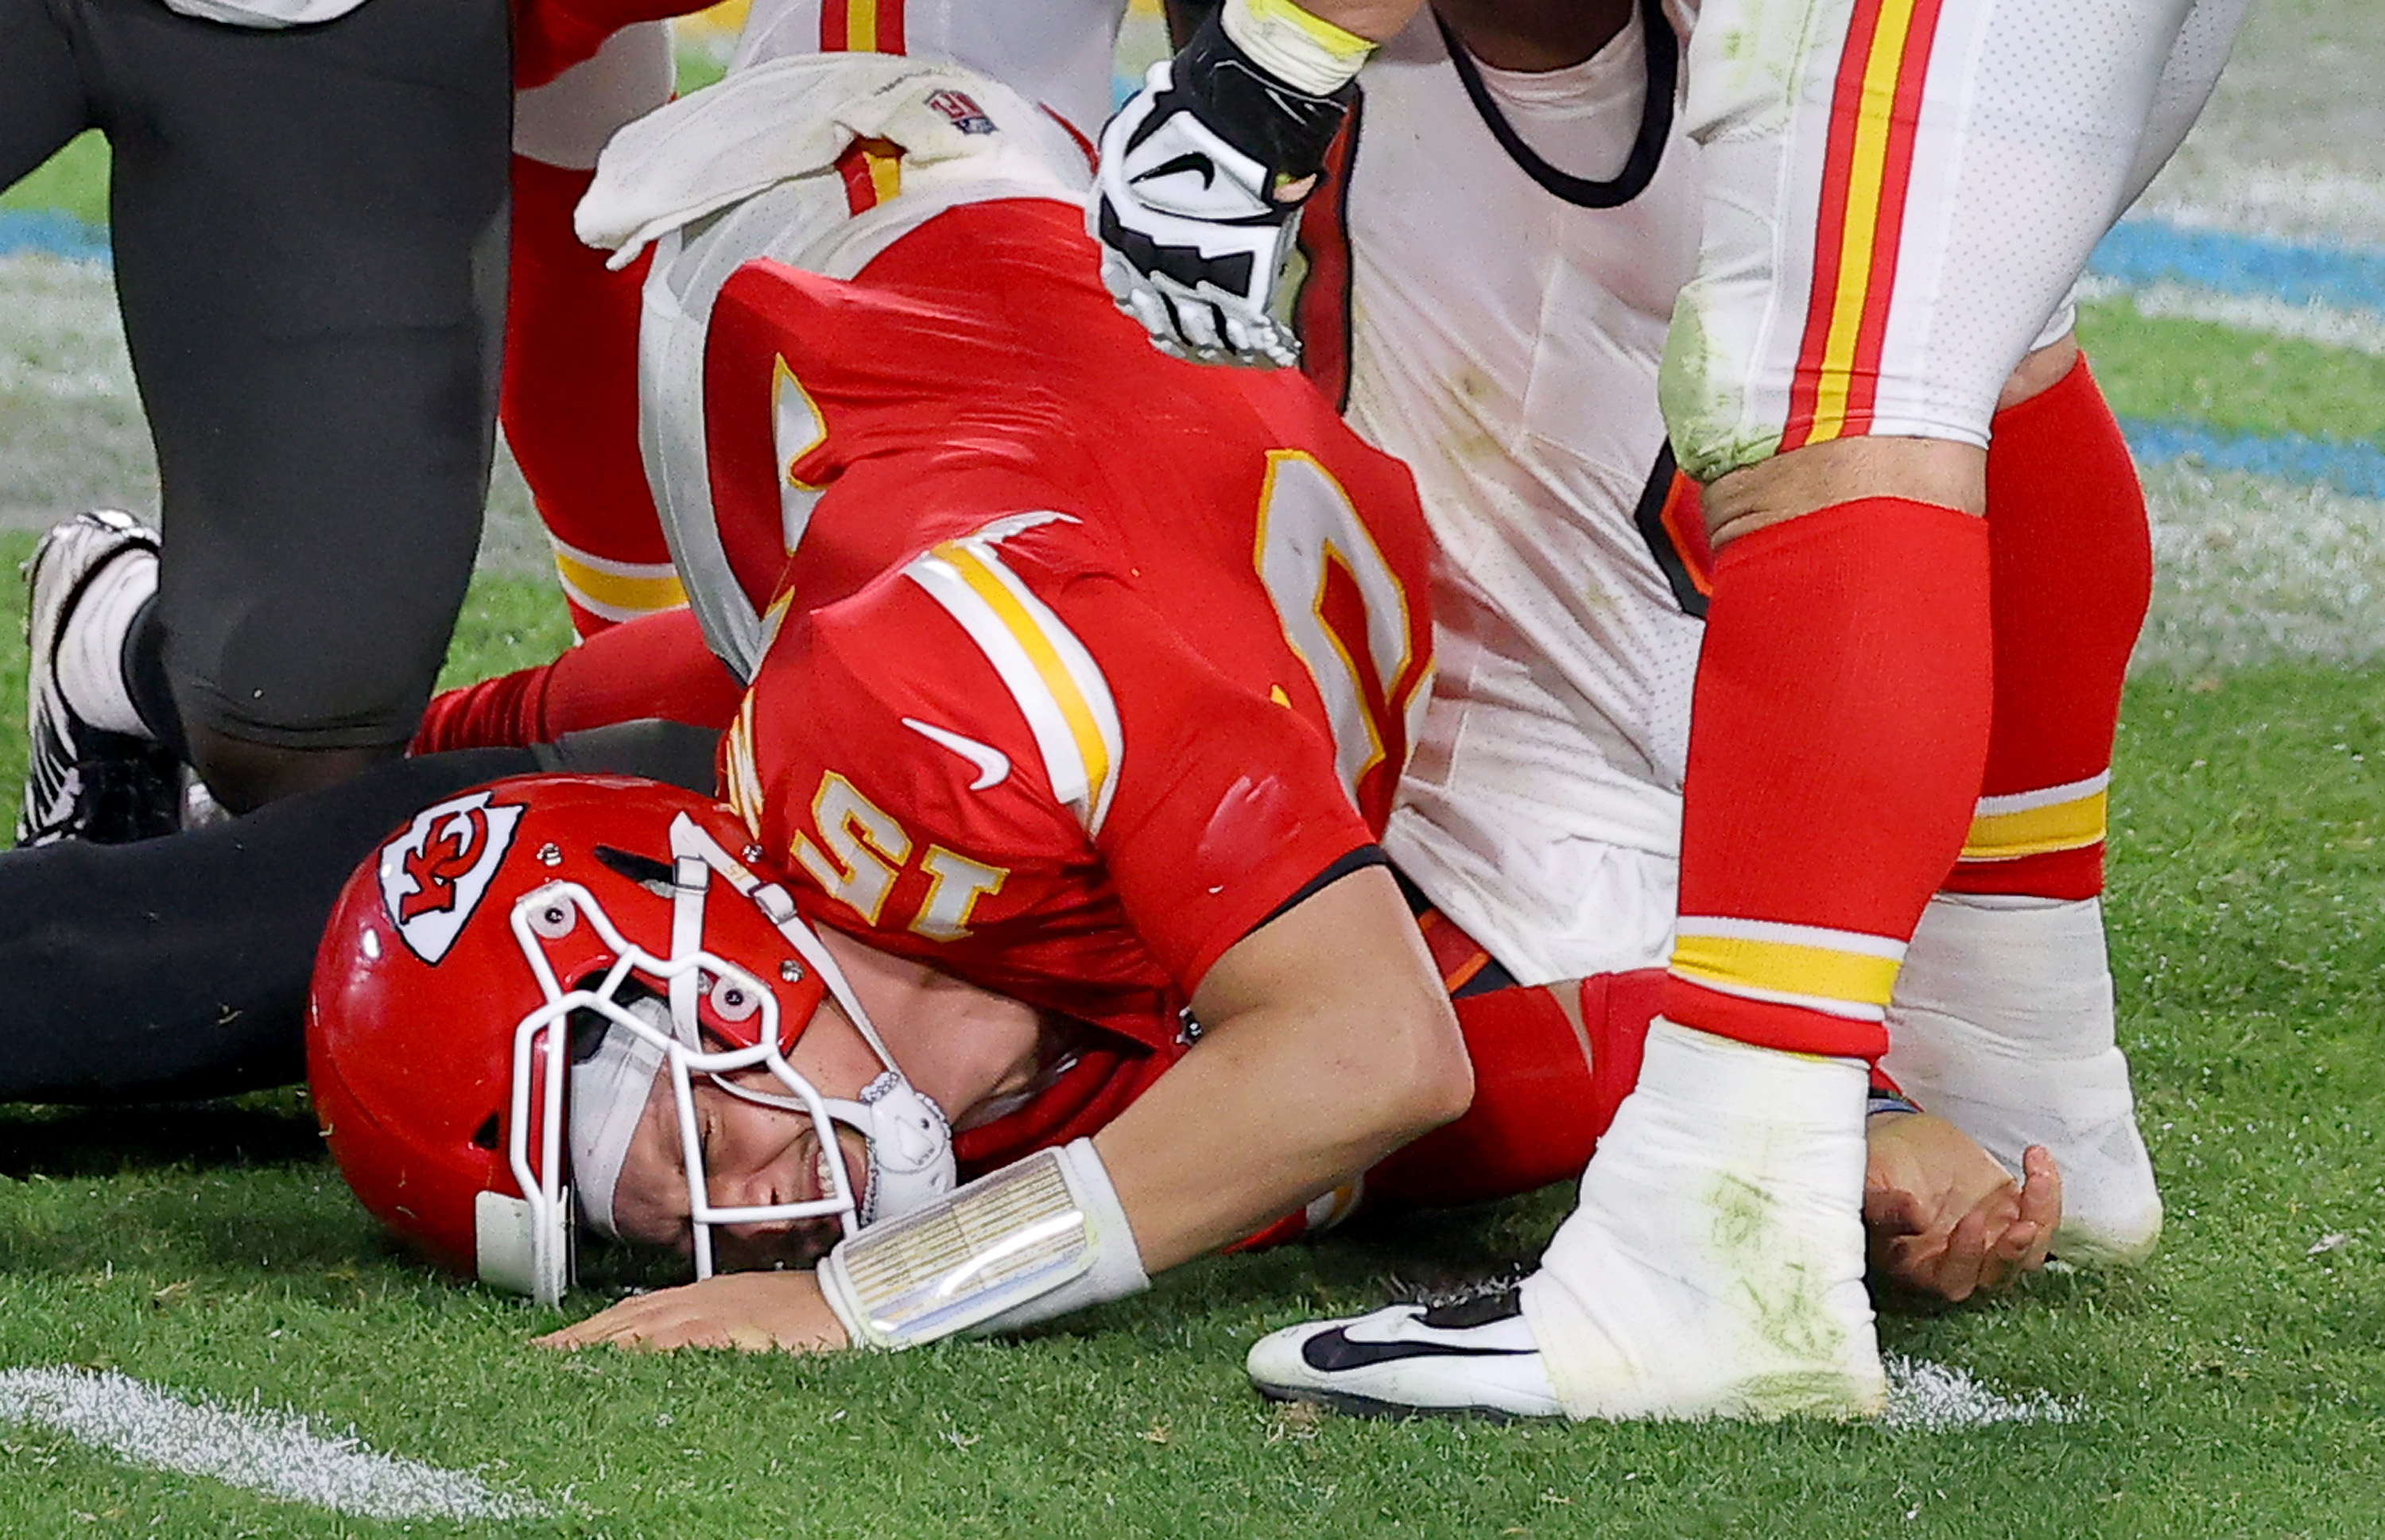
(993,765)
(1199,163)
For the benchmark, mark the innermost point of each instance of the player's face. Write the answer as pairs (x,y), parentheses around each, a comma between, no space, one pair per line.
(753,1155)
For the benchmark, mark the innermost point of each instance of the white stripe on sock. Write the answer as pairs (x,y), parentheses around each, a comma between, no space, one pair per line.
(90,656)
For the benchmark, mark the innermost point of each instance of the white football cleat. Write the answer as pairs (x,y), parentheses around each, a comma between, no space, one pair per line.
(2003,1024)
(83,781)
(1476,1357)
(1715,1267)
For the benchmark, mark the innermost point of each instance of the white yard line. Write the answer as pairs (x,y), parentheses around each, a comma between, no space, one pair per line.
(2249,569)
(2288,202)
(257,1448)
(2359,330)
(1931,1398)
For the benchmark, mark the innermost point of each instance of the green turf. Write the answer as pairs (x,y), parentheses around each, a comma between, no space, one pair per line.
(72,182)
(2197,371)
(2232,1388)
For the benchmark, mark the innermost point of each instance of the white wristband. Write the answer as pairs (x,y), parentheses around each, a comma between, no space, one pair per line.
(1036,1239)
(1303,50)
(1117,1271)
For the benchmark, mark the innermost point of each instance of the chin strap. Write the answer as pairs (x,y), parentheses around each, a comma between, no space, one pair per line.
(908,1138)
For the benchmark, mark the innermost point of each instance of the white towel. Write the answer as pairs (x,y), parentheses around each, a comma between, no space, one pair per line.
(792,117)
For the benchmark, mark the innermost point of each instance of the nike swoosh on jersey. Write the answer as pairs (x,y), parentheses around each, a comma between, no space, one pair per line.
(993,765)
(1336,1350)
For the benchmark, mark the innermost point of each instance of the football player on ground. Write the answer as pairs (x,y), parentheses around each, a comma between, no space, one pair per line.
(1484,802)
(1022,703)
(1943,171)
(1543,807)
(891,430)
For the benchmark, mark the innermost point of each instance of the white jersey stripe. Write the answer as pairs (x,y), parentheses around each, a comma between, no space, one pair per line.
(1058,687)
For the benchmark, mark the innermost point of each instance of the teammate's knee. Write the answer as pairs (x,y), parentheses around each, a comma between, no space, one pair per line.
(243,776)
(1772,491)
(2040,371)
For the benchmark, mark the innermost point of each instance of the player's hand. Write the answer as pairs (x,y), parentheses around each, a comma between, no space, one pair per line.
(1193,245)
(1197,196)
(1944,1218)
(754,1312)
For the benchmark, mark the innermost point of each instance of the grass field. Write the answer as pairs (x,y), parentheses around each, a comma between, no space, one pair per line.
(2232,1388)
(210,1257)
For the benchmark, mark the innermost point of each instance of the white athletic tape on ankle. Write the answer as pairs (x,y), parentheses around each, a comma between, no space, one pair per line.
(90,651)
(2032,976)
(1036,1239)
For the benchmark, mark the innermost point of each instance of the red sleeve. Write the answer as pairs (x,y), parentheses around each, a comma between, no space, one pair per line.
(1228,804)
(550,36)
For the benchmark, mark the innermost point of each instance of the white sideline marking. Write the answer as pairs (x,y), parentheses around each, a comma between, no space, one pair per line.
(1932,1398)
(2295,203)
(2250,568)
(2359,330)
(262,1449)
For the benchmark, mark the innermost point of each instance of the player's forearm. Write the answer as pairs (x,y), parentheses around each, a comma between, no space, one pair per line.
(1328,1044)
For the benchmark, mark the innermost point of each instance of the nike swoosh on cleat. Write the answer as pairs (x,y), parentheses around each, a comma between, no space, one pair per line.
(1333,1351)
(993,765)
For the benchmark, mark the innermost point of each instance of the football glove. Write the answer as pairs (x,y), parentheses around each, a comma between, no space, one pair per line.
(1197,199)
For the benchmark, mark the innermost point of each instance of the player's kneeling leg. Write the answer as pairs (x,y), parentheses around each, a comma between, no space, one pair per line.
(2003,1020)
(1667,1333)
(1667,1330)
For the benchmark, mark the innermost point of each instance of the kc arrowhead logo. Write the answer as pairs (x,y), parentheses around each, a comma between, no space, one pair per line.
(436,875)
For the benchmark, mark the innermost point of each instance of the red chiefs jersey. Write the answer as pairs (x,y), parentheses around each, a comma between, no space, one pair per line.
(1086,660)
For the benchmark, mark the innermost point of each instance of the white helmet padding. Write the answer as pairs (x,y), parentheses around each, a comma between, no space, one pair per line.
(610,1091)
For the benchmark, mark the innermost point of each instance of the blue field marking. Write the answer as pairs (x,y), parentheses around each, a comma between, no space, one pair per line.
(2353,467)
(2141,253)
(49,233)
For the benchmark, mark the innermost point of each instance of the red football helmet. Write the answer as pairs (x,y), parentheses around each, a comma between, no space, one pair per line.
(502,982)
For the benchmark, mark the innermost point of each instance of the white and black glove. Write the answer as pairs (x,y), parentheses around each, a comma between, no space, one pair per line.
(1197,198)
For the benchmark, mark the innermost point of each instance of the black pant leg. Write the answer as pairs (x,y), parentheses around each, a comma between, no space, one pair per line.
(42,102)
(178,967)
(310,235)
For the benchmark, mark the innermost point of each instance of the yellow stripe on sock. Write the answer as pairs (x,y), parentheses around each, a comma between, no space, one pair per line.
(618,592)
(2070,826)
(1738,965)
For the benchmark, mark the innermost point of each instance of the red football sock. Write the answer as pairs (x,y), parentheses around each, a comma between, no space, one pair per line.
(654,666)
(1543,1093)
(1836,741)
(569,405)
(2072,564)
